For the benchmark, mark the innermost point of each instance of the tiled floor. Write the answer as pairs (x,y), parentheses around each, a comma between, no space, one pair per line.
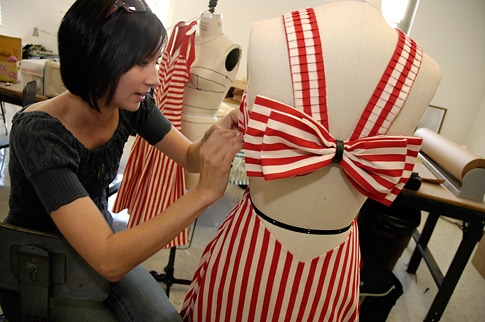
(466,304)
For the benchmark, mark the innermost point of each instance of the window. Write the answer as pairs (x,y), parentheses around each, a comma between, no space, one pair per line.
(160,8)
(399,13)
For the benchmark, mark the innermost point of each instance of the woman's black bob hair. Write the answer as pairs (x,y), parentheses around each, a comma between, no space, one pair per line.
(95,50)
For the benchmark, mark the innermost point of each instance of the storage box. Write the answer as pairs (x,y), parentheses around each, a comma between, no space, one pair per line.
(10,46)
(9,72)
(33,69)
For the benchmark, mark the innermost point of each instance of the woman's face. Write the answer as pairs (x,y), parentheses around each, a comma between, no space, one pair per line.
(135,84)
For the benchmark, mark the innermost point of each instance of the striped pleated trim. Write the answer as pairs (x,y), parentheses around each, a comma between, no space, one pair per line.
(308,76)
(245,274)
(393,89)
(306,64)
(152,181)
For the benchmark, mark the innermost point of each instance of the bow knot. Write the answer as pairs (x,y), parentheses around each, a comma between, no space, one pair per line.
(282,141)
(339,151)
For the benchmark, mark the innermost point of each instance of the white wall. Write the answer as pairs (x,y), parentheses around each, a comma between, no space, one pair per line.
(452,32)
(476,139)
(237,16)
(19,17)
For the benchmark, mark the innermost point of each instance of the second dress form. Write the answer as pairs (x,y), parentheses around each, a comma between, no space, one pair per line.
(212,74)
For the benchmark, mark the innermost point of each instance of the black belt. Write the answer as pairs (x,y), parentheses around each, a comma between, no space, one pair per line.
(300,229)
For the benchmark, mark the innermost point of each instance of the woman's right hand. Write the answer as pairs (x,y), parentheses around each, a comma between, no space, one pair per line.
(216,155)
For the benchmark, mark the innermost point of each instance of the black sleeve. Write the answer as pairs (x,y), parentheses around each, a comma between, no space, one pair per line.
(150,123)
(49,160)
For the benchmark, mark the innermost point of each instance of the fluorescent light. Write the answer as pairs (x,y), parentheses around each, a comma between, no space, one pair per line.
(394,10)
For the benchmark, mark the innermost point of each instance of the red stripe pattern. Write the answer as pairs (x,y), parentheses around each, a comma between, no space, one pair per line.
(306,64)
(283,141)
(245,274)
(393,89)
(152,181)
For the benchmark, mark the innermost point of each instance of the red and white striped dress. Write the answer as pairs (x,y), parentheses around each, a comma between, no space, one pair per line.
(245,274)
(152,181)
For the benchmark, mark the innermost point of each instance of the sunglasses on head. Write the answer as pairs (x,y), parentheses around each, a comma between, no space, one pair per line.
(128,6)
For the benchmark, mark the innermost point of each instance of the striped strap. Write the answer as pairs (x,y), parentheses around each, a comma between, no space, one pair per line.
(306,64)
(393,89)
(308,76)
(281,142)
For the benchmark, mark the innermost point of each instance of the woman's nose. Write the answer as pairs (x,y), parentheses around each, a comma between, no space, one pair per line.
(152,78)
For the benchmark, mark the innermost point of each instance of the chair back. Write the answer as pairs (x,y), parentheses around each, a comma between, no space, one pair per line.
(28,93)
(40,266)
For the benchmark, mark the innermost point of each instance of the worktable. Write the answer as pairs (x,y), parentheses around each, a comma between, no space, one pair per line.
(438,201)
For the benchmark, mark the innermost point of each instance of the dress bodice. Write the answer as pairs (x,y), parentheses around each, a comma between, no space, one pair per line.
(283,141)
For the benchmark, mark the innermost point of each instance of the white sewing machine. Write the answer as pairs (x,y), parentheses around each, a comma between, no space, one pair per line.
(46,72)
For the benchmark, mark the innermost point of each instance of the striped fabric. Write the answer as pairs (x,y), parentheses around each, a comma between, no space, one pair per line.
(152,181)
(245,274)
(238,170)
(283,141)
(393,89)
(306,64)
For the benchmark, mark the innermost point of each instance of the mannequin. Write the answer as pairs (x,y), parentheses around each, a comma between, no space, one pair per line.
(309,270)
(357,44)
(212,74)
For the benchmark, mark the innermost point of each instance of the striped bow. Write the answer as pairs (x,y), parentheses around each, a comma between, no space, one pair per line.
(282,141)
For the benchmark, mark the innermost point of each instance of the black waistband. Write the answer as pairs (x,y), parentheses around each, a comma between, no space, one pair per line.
(300,229)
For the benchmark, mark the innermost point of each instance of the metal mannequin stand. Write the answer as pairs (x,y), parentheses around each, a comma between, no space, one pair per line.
(168,278)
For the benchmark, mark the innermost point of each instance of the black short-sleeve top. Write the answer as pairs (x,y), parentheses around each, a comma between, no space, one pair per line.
(50,168)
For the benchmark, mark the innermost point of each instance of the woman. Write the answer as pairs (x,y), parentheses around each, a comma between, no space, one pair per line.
(65,151)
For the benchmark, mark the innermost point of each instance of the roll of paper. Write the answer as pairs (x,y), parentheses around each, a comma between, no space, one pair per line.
(452,157)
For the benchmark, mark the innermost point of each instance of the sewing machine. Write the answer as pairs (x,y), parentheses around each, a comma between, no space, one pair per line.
(46,72)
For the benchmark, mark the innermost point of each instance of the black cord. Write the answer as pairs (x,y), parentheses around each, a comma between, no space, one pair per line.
(212,5)
(462,226)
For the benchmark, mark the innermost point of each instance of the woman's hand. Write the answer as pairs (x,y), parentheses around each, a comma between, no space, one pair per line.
(228,122)
(216,156)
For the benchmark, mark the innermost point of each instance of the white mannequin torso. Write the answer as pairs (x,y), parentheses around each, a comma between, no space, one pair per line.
(212,74)
(357,44)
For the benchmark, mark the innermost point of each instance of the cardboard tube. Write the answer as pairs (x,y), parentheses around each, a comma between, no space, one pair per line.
(452,157)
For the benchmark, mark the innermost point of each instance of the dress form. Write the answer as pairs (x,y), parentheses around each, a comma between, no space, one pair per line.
(357,45)
(212,74)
